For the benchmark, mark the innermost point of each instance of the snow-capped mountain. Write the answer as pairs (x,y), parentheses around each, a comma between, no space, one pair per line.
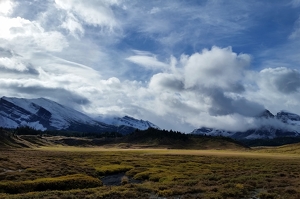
(127,121)
(290,118)
(44,114)
(283,124)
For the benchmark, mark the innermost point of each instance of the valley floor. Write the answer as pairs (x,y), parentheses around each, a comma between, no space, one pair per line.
(95,172)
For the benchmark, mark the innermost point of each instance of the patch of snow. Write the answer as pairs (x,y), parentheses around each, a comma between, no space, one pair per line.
(62,116)
(7,123)
(23,103)
(36,125)
(126,121)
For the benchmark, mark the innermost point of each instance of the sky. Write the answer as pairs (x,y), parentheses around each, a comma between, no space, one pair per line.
(181,64)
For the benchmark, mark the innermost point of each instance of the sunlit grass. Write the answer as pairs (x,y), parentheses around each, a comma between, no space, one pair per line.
(160,172)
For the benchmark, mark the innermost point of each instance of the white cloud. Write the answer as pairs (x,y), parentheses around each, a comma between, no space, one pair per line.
(30,34)
(207,84)
(154,10)
(149,62)
(217,67)
(296,32)
(73,26)
(96,13)
(6,7)
(295,3)
(12,64)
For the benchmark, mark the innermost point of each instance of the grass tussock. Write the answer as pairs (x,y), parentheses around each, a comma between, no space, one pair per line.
(112,169)
(77,181)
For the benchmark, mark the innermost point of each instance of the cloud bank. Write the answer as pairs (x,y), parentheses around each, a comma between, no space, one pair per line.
(181,65)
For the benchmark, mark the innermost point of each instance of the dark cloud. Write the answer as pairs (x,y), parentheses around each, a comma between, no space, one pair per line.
(59,94)
(225,105)
(166,81)
(237,88)
(172,84)
(282,79)
(5,53)
(30,71)
(288,82)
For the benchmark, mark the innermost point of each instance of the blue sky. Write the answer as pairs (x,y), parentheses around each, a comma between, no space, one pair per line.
(180,64)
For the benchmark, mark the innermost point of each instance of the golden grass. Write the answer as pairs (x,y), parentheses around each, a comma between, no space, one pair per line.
(263,152)
(289,149)
(166,173)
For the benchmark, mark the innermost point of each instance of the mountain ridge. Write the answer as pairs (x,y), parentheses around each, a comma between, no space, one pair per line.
(283,124)
(44,114)
(127,121)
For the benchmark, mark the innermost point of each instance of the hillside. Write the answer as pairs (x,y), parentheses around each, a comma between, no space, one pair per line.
(156,138)
(284,149)
(150,138)
(9,140)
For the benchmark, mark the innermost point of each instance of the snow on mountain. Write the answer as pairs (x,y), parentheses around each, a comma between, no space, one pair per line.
(127,121)
(290,118)
(7,123)
(284,124)
(212,132)
(59,117)
(44,114)
(63,116)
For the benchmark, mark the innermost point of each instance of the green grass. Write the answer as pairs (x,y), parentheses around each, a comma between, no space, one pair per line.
(70,172)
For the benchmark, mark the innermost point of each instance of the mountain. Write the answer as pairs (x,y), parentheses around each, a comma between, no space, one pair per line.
(283,124)
(44,114)
(290,118)
(127,121)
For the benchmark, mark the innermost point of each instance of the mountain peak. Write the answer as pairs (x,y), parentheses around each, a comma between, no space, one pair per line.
(266,114)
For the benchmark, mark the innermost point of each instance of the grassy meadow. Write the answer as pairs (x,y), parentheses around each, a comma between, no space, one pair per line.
(77,172)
